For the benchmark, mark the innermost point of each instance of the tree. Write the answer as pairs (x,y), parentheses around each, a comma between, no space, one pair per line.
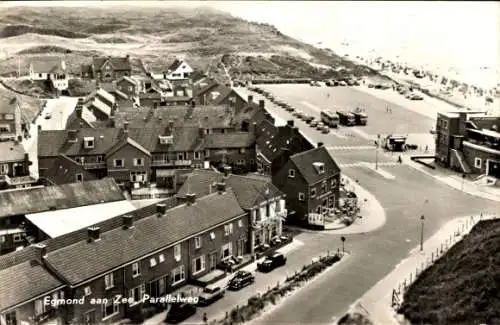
(343,241)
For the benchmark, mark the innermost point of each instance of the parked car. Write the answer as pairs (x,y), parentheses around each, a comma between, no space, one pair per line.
(210,294)
(240,280)
(307,118)
(298,114)
(342,83)
(179,312)
(271,262)
(48,116)
(319,126)
(325,129)
(371,86)
(313,123)
(290,108)
(417,97)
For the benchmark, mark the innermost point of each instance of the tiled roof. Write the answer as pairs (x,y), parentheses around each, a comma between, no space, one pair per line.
(32,200)
(48,65)
(304,163)
(248,190)
(58,173)
(82,261)
(106,95)
(229,140)
(87,119)
(117,62)
(126,141)
(11,151)
(270,144)
(204,85)
(127,79)
(53,142)
(25,281)
(100,106)
(175,65)
(184,138)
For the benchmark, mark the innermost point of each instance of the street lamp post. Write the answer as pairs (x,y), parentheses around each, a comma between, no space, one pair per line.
(343,241)
(422,218)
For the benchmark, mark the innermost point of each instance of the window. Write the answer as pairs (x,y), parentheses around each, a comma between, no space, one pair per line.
(291,173)
(334,183)
(228,229)
(9,117)
(138,162)
(196,155)
(313,192)
(240,223)
(39,307)
(118,163)
(331,201)
(11,318)
(152,262)
(129,88)
(207,152)
(79,177)
(180,156)
(2,239)
(197,242)
(323,187)
(477,162)
(109,308)
(199,264)
(100,159)
(318,210)
(227,250)
(136,270)
(212,235)
(4,169)
(137,293)
(119,87)
(302,197)
(87,291)
(161,258)
(109,281)
(242,150)
(177,252)
(178,275)
(17,238)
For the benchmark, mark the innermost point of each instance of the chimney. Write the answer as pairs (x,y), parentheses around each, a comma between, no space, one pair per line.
(250,99)
(125,127)
(190,198)
(221,187)
(320,144)
(161,209)
(79,109)
(72,135)
(227,171)
(295,130)
(41,250)
(290,123)
(128,221)
(262,104)
(93,234)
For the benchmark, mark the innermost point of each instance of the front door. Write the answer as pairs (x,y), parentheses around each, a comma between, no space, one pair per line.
(239,248)
(213,261)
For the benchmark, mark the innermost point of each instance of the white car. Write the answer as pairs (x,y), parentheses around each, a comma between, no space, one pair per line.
(48,116)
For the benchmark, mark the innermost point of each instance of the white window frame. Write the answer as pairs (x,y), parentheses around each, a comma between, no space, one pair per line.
(39,307)
(302,196)
(17,238)
(2,239)
(177,252)
(228,229)
(81,177)
(197,242)
(109,281)
(116,309)
(178,271)
(242,150)
(136,270)
(240,223)
(161,258)
(291,173)
(228,246)
(478,162)
(202,264)
(152,262)
(333,183)
(4,169)
(119,159)
(142,290)
(137,160)
(212,235)
(87,291)
(197,155)
(313,192)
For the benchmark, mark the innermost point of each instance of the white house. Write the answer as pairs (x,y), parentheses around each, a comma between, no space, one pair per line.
(53,69)
(178,70)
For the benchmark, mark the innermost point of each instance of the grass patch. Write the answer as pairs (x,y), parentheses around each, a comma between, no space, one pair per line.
(463,286)
(44,49)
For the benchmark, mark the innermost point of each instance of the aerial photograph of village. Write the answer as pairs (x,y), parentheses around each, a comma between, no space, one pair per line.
(249,162)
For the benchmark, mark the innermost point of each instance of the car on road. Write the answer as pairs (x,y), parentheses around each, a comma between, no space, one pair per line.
(313,123)
(298,114)
(271,262)
(416,97)
(290,108)
(342,83)
(210,294)
(48,116)
(319,126)
(307,118)
(179,312)
(240,280)
(325,129)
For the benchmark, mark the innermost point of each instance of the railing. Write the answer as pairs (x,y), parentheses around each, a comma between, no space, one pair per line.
(94,165)
(157,163)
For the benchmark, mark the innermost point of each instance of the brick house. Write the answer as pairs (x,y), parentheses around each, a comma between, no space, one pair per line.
(310,180)
(271,140)
(128,86)
(468,143)
(107,68)
(14,125)
(212,93)
(183,244)
(128,161)
(264,203)
(14,164)
(65,170)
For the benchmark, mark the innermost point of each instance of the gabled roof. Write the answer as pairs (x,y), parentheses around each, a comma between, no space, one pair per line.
(128,141)
(223,93)
(11,151)
(88,118)
(249,191)
(32,200)
(118,63)
(204,85)
(184,138)
(48,65)
(229,140)
(25,281)
(83,260)
(272,139)
(175,65)
(53,142)
(304,162)
(127,79)
(106,95)
(96,103)
(58,173)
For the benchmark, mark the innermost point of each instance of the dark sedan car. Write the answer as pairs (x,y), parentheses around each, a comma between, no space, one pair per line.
(241,280)
(272,262)
(179,312)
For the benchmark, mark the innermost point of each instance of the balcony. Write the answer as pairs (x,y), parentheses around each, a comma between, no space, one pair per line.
(166,163)
(97,165)
(270,219)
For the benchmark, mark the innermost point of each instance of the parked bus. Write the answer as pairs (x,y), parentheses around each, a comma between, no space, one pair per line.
(329,118)
(360,117)
(346,118)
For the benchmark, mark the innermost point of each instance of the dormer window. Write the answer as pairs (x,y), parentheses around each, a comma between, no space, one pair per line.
(291,173)
(166,139)
(320,167)
(88,142)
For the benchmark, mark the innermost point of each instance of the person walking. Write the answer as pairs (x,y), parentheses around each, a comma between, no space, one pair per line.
(400,160)
(205,318)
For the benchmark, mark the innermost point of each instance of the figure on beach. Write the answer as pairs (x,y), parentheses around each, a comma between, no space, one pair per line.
(400,160)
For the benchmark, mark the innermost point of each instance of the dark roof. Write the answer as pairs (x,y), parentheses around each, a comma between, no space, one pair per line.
(53,142)
(204,85)
(86,120)
(32,200)
(127,141)
(58,173)
(82,261)
(223,93)
(48,65)
(229,140)
(11,151)
(272,139)
(304,163)
(248,190)
(25,281)
(184,138)
(86,68)
(176,64)
(119,63)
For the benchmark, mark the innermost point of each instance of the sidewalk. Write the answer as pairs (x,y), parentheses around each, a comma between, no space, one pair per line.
(377,301)
(455,181)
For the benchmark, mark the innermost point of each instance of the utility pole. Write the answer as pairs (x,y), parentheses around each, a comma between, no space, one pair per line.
(422,218)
